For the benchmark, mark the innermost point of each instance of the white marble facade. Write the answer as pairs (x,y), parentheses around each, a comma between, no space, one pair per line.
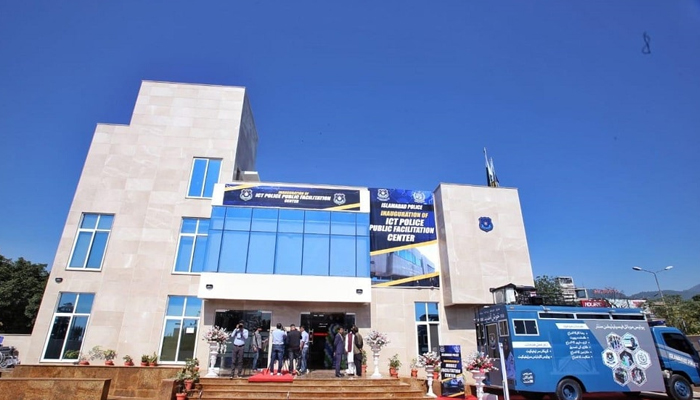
(140,173)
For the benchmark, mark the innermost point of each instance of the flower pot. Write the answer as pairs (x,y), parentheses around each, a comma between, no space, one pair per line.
(394,372)
(84,362)
(180,396)
(414,373)
(436,374)
(144,363)
(152,364)
(109,362)
(129,363)
(188,384)
(364,370)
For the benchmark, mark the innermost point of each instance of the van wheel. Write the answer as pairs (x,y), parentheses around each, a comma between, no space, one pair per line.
(679,388)
(569,389)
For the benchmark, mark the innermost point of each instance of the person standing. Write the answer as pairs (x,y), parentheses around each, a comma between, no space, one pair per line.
(240,335)
(338,350)
(349,352)
(293,346)
(279,336)
(303,369)
(257,347)
(357,350)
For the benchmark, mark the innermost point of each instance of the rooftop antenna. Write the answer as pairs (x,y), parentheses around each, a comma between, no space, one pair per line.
(491,178)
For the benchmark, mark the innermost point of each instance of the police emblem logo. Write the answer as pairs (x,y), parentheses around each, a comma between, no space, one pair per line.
(382,194)
(419,197)
(339,198)
(246,194)
(485,224)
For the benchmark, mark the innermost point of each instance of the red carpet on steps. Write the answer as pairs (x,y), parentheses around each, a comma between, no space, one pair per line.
(266,377)
(468,397)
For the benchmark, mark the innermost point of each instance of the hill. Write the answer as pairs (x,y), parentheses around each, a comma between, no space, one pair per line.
(685,294)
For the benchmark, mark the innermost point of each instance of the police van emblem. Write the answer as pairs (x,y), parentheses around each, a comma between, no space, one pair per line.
(419,197)
(382,194)
(485,224)
(339,198)
(246,194)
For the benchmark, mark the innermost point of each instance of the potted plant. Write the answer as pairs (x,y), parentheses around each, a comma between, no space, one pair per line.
(84,359)
(191,371)
(128,361)
(109,355)
(394,365)
(364,363)
(181,394)
(153,359)
(414,368)
(144,360)
(71,354)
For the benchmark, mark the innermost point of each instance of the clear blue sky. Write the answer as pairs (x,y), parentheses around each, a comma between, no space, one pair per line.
(600,139)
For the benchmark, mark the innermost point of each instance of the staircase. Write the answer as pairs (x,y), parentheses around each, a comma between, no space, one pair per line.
(311,387)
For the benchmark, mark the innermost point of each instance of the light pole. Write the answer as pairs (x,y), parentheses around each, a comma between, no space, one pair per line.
(663,300)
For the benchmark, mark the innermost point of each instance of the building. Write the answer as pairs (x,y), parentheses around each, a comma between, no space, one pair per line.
(171,231)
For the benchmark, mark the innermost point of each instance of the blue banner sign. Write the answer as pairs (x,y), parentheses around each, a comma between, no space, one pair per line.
(451,375)
(400,219)
(291,197)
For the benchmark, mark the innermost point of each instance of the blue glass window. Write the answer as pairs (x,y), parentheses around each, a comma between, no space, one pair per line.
(218,214)
(180,329)
(205,173)
(342,255)
(291,221)
(289,253)
(317,222)
(363,266)
(264,220)
(192,245)
(316,252)
(91,243)
(69,326)
(261,253)
(287,241)
(238,219)
(362,224)
(234,251)
(342,223)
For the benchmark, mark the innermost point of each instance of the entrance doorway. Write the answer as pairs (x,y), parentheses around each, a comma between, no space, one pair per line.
(322,328)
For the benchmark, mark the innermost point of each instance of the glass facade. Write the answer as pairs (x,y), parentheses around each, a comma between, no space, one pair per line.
(288,241)
(192,245)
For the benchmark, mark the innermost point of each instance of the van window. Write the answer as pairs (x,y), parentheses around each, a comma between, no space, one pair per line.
(628,317)
(592,316)
(552,315)
(678,342)
(525,327)
(503,328)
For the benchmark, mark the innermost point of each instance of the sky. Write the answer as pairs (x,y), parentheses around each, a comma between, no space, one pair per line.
(596,126)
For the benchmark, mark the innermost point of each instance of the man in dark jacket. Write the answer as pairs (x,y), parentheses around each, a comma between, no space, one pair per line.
(338,350)
(293,342)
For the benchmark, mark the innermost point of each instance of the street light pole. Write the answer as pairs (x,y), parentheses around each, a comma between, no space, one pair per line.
(656,278)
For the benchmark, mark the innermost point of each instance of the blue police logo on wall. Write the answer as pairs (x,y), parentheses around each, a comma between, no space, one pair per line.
(485,224)
(246,194)
(382,194)
(419,197)
(339,198)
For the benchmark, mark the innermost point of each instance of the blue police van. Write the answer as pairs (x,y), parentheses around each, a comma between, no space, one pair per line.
(566,351)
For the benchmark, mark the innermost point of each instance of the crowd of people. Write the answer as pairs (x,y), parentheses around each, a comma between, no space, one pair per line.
(290,349)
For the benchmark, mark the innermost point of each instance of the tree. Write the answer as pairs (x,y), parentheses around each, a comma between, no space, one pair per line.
(682,314)
(548,288)
(22,285)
